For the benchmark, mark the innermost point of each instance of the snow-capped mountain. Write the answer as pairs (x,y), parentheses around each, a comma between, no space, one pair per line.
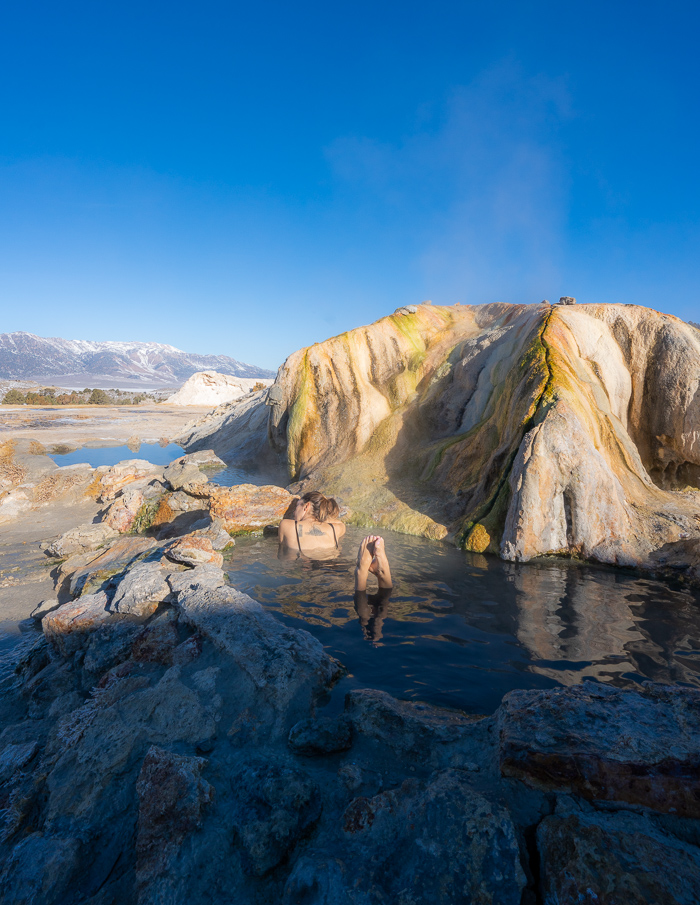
(26,356)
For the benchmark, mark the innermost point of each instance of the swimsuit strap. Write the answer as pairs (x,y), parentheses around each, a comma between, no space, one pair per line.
(296,528)
(334,536)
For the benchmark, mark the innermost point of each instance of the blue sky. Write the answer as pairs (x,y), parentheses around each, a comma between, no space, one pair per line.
(247,179)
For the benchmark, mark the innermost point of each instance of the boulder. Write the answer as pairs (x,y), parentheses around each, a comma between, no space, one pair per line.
(439,842)
(194,551)
(246,507)
(567,300)
(640,747)
(140,590)
(81,539)
(180,473)
(206,577)
(216,534)
(41,870)
(621,857)
(46,606)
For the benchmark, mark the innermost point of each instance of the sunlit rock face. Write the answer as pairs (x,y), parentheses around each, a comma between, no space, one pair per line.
(519,430)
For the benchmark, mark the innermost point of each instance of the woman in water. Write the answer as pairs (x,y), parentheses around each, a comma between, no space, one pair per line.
(311,526)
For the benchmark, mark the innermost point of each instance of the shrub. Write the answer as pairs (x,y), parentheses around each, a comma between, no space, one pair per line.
(13,397)
(99,397)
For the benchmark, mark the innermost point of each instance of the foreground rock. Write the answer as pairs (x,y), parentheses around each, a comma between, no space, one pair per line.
(245,507)
(169,743)
(608,744)
(81,539)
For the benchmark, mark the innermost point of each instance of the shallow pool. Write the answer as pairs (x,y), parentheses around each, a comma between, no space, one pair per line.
(110,455)
(460,630)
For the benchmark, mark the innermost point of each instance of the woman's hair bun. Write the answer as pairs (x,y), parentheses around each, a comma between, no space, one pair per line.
(324,507)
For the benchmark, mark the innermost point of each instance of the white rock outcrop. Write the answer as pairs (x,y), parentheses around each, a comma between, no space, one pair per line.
(211,388)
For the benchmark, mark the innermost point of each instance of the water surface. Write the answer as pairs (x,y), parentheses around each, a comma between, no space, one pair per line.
(111,455)
(460,629)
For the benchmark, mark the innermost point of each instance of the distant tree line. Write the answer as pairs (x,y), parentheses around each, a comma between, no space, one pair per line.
(52,396)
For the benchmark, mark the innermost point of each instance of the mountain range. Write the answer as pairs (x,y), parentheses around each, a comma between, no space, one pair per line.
(24,356)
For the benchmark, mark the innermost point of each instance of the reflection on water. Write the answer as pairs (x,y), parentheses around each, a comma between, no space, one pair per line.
(111,455)
(463,629)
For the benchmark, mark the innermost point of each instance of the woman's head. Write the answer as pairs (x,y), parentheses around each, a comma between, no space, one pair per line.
(322,508)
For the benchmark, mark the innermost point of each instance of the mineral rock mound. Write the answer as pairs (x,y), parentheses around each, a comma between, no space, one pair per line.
(519,430)
(212,388)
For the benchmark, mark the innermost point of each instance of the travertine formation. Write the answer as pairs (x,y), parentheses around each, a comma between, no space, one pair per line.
(212,388)
(519,430)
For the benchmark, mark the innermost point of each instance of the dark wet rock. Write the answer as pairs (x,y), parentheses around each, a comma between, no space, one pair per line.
(102,569)
(322,735)
(412,729)
(287,667)
(275,807)
(172,800)
(40,870)
(140,590)
(640,747)
(439,842)
(82,539)
(615,858)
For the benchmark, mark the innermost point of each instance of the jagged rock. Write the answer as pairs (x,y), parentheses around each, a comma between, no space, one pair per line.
(181,473)
(622,857)
(440,843)
(203,458)
(275,807)
(640,747)
(68,628)
(194,551)
(81,539)
(172,799)
(567,300)
(156,643)
(141,589)
(101,569)
(406,309)
(321,735)
(110,644)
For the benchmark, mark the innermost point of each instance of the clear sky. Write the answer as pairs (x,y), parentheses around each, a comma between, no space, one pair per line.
(246,179)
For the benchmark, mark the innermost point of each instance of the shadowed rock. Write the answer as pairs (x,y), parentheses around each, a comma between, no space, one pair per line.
(640,747)
(624,858)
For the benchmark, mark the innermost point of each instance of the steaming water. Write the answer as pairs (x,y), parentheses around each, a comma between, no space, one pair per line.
(460,630)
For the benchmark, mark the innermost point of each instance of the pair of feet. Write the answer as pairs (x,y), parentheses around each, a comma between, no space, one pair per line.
(371,557)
